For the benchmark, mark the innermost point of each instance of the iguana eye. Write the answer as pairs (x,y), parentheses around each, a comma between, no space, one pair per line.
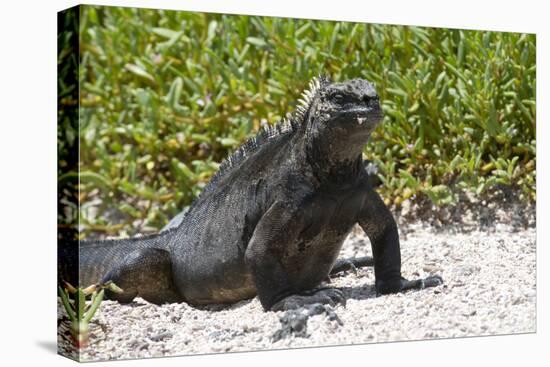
(338,97)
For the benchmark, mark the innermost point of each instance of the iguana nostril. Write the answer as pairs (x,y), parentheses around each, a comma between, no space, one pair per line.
(369,99)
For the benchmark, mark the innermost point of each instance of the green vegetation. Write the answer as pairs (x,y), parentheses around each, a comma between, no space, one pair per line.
(80,311)
(166,95)
(67,123)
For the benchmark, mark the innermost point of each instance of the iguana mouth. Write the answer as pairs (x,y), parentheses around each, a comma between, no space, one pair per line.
(361,115)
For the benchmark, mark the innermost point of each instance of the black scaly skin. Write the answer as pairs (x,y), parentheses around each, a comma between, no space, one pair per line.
(272,221)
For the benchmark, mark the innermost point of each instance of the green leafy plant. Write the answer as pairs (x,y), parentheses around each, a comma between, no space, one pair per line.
(167,95)
(81,311)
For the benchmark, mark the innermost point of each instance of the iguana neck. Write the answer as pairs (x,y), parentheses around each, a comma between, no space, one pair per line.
(333,161)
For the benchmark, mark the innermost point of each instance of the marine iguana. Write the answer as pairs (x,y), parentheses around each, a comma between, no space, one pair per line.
(271,221)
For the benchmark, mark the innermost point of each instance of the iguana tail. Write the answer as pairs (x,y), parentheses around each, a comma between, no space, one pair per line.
(86,262)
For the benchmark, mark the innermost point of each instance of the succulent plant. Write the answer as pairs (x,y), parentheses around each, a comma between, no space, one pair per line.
(81,311)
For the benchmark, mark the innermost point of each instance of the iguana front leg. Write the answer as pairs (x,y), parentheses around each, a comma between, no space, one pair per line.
(279,227)
(379,225)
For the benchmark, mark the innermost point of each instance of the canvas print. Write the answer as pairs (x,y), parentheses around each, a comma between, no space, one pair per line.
(240,183)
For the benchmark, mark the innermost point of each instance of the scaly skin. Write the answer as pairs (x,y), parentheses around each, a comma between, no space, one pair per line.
(272,221)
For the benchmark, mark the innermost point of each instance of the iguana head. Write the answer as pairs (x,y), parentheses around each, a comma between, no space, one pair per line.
(340,117)
(334,119)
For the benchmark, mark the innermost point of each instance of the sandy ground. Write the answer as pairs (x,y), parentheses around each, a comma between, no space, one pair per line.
(490,288)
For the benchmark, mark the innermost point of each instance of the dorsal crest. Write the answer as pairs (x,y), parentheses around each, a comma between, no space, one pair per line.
(287,125)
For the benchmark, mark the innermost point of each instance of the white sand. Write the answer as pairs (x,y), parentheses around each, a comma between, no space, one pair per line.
(490,288)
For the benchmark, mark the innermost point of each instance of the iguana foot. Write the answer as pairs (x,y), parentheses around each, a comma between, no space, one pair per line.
(294,322)
(351,264)
(401,285)
(329,296)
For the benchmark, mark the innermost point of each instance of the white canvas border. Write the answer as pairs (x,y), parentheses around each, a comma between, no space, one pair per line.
(28,184)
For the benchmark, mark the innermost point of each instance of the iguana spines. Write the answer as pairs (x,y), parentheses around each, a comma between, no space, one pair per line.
(289,124)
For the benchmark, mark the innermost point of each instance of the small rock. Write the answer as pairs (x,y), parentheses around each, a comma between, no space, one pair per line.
(517,300)
(161,336)
(431,268)
(468,269)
